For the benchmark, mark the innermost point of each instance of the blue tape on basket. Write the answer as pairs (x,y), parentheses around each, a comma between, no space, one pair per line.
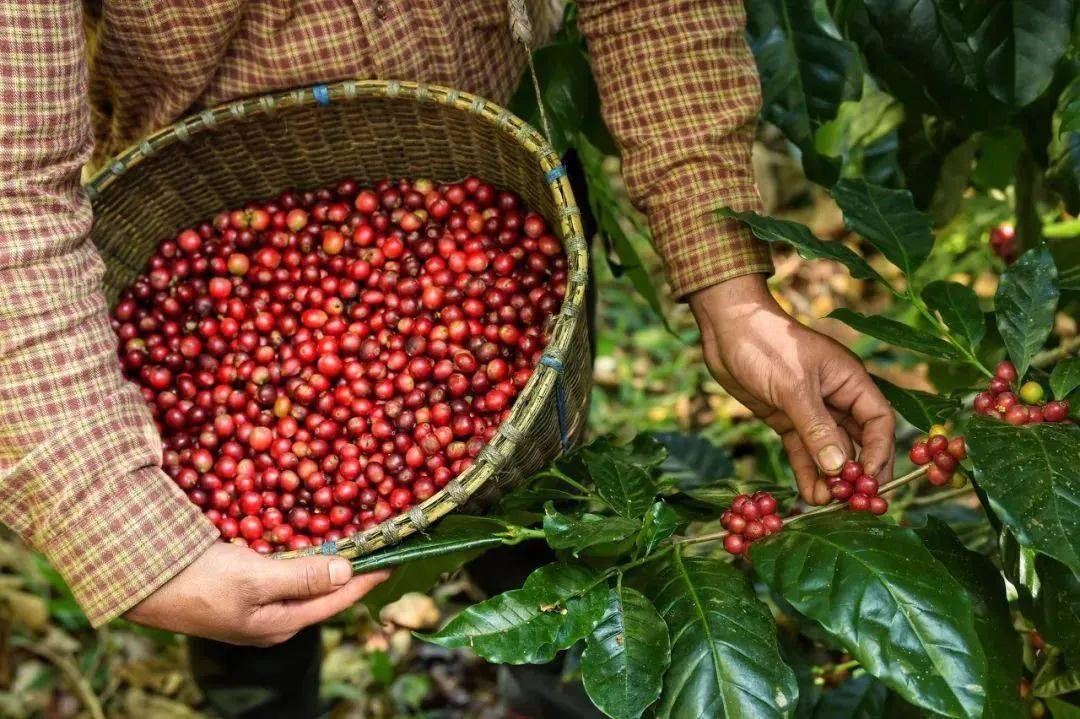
(555,173)
(560,399)
(321,93)
(329,547)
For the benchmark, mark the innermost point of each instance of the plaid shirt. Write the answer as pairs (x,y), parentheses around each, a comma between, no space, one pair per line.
(79,456)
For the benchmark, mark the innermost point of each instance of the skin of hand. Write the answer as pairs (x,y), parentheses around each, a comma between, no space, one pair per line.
(234,595)
(807,387)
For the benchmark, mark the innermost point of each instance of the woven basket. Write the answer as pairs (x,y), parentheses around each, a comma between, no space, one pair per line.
(369,130)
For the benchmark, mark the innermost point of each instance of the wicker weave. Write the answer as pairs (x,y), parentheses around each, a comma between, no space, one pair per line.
(370,130)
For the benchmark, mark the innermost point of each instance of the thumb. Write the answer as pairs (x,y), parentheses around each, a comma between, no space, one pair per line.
(304,577)
(819,433)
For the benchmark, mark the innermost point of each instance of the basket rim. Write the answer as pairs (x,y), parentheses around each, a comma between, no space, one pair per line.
(542,384)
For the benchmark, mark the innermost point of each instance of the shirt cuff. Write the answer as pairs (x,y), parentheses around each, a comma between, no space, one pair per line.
(699,247)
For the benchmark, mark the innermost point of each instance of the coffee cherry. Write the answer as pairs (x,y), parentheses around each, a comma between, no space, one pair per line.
(842,491)
(852,471)
(734,544)
(1031,392)
(937,444)
(919,453)
(957,448)
(765,502)
(1017,414)
(772,523)
(945,461)
(1005,371)
(754,530)
(868,485)
(859,503)
(1056,411)
(938,429)
(878,505)
(983,403)
(937,476)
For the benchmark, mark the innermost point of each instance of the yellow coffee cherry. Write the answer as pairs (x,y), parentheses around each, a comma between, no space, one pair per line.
(958,480)
(1032,392)
(939,429)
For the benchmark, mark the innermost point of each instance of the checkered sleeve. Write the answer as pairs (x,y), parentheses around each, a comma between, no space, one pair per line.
(680,93)
(79,455)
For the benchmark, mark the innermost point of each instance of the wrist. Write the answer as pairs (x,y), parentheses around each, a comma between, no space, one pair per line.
(732,301)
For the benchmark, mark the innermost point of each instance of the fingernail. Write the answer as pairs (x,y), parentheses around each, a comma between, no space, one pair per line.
(831,458)
(340,571)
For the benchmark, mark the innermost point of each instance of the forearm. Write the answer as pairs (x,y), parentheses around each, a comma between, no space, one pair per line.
(680,94)
(79,455)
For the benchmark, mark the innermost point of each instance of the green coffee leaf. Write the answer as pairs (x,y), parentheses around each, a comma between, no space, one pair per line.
(526,626)
(1056,610)
(455,534)
(921,409)
(660,523)
(806,72)
(583,596)
(1065,377)
(888,220)
(809,247)
(1032,479)
(1054,676)
(725,662)
(1025,302)
(626,656)
(626,487)
(958,307)
(586,530)
(896,333)
(1061,709)
(1068,108)
(880,594)
(993,620)
(693,461)
(1019,44)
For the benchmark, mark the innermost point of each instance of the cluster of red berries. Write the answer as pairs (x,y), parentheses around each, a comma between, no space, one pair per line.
(945,455)
(750,518)
(1003,242)
(854,486)
(320,362)
(1022,407)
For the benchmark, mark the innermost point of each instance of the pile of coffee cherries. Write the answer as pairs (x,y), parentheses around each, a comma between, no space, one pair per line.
(750,518)
(1022,407)
(857,488)
(945,455)
(322,361)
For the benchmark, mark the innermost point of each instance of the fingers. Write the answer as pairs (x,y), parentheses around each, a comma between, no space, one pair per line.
(869,409)
(812,487)
(818,431)
(293,615)
(302,578)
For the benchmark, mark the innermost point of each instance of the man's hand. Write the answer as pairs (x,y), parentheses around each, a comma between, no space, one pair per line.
(810,389)
(234,595)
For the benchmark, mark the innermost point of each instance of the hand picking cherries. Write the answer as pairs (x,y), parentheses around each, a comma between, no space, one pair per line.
(942,454)
(857,488)
(320,362)
(749,519)
(1023,407)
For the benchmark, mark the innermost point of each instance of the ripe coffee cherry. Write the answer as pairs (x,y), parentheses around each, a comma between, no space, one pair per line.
(957,448)
(919,453)
(1017,414)
(868,485)
(734,544)
(937,444)
(852,471)
(772,523)
(878,505)
(1005,371)
(859,502)
(937,476)
(1056,411)
(983,403)
(842,491)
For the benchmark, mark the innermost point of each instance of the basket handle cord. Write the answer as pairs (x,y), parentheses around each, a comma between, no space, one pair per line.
(522,30)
